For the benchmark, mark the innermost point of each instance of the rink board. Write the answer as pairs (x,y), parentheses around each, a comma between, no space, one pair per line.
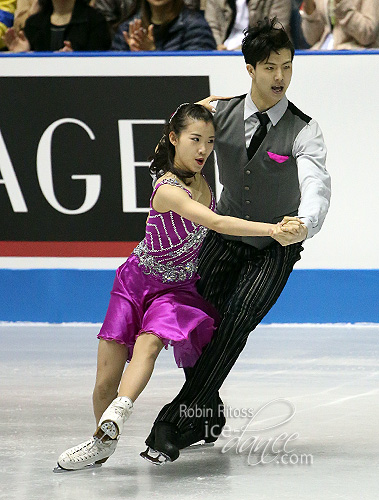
(62,295)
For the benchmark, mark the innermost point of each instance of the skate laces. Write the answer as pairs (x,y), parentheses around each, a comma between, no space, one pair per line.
(89,449)
(121,408)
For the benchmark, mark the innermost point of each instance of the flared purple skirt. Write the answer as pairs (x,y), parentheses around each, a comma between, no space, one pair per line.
(174,312)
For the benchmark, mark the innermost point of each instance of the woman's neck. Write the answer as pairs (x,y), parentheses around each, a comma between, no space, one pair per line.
(63,7)
(161,15)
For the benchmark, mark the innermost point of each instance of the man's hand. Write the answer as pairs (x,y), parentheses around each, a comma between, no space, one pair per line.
(207,102)
(290,230)
(138,38)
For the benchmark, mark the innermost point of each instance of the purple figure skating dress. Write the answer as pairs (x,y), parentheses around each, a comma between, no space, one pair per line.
(155,289)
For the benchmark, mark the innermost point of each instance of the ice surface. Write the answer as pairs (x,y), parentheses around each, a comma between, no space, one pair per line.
(322,380)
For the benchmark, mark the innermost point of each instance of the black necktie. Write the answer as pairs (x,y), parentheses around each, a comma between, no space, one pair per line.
(259,135)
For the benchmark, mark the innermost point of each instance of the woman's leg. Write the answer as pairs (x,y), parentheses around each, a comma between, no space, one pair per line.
(141,366)
(111,359)
(111,362)
(134,380)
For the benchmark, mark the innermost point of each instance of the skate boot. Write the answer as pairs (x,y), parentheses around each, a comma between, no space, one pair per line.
(200,437)
(89,454)
(166,444)
(103,444)
(112,420)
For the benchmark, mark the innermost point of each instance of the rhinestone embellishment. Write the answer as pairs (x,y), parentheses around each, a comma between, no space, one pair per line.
(169,271)
(171,245)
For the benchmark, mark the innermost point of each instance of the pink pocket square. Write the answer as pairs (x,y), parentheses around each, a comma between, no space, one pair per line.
(277,158)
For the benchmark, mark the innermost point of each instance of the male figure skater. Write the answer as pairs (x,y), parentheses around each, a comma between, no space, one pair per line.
(271,159)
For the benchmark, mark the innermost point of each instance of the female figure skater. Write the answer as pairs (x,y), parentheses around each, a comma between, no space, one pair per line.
(154,301)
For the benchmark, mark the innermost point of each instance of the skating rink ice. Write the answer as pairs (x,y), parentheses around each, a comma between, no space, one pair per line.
(322,379)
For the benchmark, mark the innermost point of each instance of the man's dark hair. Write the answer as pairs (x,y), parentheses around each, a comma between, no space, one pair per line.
(265,37)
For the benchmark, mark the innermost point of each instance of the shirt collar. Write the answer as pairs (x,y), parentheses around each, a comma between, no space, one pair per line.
(275,113)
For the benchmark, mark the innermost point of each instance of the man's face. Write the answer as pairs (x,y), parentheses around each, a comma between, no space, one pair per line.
(270,79)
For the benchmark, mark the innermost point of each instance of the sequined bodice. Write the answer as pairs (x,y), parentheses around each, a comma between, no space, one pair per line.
(172,243)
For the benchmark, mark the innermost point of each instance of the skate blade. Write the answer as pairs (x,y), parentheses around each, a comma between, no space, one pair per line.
(154,457)
(58,469)
(199,445)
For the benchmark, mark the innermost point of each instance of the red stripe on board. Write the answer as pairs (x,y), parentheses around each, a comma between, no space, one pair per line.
(66,248)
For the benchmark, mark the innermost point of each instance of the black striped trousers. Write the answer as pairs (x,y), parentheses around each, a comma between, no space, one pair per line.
(243,283)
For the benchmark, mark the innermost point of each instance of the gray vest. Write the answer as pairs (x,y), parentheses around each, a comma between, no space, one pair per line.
(260,189)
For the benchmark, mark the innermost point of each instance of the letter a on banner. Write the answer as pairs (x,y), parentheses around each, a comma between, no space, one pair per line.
(9,179)
(45,175)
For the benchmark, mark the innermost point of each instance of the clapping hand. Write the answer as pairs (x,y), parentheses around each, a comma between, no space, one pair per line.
(139,38)
(67,47)
(16,42)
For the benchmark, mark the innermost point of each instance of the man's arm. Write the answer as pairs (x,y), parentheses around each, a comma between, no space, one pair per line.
(315,186)
(314,180)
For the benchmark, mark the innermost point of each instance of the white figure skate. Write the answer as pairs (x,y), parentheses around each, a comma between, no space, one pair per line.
(102,445)
(87,455)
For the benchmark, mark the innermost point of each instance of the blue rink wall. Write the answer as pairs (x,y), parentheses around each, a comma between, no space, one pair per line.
(69,295)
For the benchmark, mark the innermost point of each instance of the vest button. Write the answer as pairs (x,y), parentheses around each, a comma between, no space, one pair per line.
(247,188)
(248,172)
(247,217)
(247,202)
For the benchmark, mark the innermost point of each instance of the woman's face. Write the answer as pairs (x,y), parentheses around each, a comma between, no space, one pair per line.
(193,145)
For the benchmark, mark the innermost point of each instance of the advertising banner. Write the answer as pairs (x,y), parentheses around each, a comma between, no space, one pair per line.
(74,176)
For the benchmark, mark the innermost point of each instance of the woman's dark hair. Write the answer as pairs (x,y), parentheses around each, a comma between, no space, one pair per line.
(265,37)
(47,5)
(162,160)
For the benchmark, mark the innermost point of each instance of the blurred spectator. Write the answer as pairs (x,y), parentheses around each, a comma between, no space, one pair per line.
(340,24)
(61,25)
(228,18)
(114,11)
(297,34)
(24,9)
(117,11)
(164,25)
(7,8)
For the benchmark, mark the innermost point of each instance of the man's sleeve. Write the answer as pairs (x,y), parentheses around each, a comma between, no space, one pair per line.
(315,187)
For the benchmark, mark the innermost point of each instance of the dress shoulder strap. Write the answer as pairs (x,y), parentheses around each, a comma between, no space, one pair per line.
(172,182)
